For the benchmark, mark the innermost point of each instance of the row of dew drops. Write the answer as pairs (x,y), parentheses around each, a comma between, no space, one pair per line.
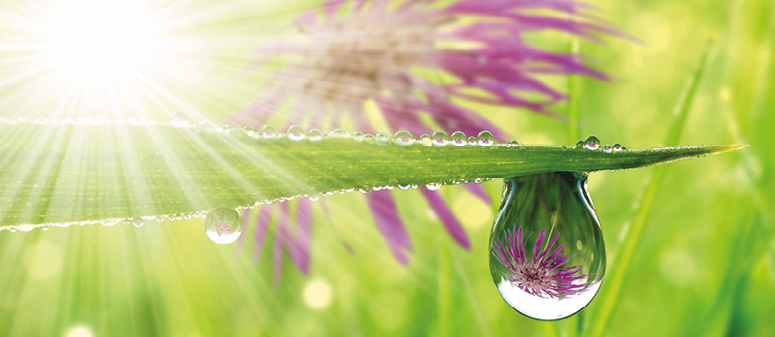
(295,133)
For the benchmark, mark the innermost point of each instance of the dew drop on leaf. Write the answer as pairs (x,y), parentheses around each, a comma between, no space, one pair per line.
(547,256)
(403,138)
(315,135)
(433,186)
(617,147)
(358,136)
(338,134)
(485,138)
(440,138)
(223,225)
(381,138)
(425,140)
(268,131)
(592,143)
(458,138)
(296,132)
(607,149)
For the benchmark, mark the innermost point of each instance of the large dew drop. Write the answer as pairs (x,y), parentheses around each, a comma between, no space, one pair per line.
(547,256)
(223,225)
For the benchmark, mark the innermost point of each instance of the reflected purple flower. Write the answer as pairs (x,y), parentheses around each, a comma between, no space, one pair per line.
(406,59)
(543,275)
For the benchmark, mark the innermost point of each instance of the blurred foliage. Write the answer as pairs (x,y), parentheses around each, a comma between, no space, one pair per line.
(705,264)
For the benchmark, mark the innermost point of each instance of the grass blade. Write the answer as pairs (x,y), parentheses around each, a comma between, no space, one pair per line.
(117,171)
(609,294)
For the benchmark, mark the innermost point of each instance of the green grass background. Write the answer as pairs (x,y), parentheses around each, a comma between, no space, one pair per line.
(704,264)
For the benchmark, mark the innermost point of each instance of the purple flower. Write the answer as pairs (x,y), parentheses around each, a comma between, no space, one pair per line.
(372,52)
(543,275)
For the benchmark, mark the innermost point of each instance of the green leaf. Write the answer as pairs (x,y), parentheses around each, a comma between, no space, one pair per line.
(78,173)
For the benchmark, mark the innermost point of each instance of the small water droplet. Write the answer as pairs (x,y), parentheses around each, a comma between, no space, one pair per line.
(314,135)
(138,221)
(425,140)
(179,120)
(223,225)
(358,136)
(368,139)
(268,131)
(580,144)
(296,132)
(44,228)
(617,147)
(472,140)
(512,143)
(382,138)
(592,143)
(485,138)
(458,138)
(403,138)
(547,256)
(404,187)
(249,130)
(433,186)
(440,138)
(338,134)
(478,180)
(607,149)
(314,197)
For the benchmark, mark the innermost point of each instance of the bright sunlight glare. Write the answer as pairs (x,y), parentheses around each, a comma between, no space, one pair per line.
(98,42)
(119,58)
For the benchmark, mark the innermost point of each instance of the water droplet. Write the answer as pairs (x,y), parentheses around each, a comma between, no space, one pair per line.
(138,221)
(223,225)
(485,138)
(295,132)
(425,140)
(536,262)
(617,147)
(607,149)
(382,138)
(458,138)
(433,186)
(440,138)
(314,135)
(403,138)
(512,143)
(44,228)
(472,140)
(478,180)
(592,143)
(249,130)
(314,198)
(368,139)
(358,136)
(179,120)
(268,131)
(404,187)
(338,134)
(580,144)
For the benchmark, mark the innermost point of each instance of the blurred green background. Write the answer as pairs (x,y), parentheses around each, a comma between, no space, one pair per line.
(705,264)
